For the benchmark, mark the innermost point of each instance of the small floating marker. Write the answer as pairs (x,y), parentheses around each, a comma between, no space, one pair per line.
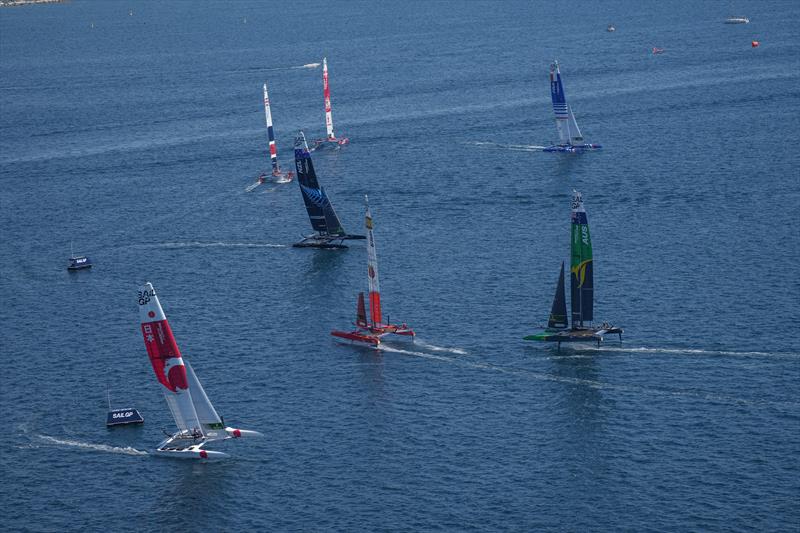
(755,44)
(657,50)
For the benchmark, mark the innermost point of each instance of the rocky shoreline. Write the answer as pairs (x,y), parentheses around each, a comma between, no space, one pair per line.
(16,3)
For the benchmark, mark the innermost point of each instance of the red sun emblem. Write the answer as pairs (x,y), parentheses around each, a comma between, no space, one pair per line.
(151,314)
(371,271)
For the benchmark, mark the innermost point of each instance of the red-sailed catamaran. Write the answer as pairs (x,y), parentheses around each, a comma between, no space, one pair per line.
(197,420)
(280,176)
(371,331)
(331,139)
(582,290)
(569,135)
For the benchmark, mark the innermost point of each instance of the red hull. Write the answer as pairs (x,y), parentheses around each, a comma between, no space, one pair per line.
(356,336)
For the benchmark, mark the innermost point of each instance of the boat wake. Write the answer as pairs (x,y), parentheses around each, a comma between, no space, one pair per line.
(690,351)
(220,244)
(512,147)
(386,348)
(308,65)
(425,345)
(127,450)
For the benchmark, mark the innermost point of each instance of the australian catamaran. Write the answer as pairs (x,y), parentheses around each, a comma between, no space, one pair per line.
(582,290)
(197,420)
(331,139)
(324,221)
(371,332)
(569,135)
(280,176)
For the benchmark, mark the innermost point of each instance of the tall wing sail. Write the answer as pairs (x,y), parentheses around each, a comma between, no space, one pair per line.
(326,90)
(166,359)
(568,131)
(210,422)
(559,104)
(581,265)
(361,311)
(558,313)
(320,210)
(372,270)
(273,151)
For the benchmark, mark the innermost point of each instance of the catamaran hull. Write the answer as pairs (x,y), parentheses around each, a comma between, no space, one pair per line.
(576,335)
(329,143)
(209,455)
(357,337)
(572,148)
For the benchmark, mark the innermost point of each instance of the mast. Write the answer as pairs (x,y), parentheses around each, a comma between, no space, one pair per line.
(273,151)
(326,90)
(581,265)
(372,270)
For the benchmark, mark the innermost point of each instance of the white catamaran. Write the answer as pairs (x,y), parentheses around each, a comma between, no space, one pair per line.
(197,420)
(570,138)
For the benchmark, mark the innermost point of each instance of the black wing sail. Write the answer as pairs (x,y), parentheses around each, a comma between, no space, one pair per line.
(320,210)
(558,313)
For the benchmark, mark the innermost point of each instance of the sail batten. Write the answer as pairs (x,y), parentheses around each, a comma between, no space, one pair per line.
(581,265)
(320,210)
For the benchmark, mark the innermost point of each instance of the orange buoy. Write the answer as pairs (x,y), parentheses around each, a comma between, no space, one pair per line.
(754,44)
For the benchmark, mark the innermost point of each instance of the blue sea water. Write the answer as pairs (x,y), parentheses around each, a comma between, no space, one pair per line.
(134,135)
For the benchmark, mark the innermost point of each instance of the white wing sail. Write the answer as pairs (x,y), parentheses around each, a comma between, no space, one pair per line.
(165,357)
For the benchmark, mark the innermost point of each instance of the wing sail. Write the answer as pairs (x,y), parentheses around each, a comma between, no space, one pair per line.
(581,265)
(326,90)
(166,359)
(273,151)
(560,107)
(320,210)
(372,270)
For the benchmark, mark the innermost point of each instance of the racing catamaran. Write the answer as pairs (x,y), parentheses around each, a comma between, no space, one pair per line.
(197,420)
(331,139)
(371,332)
(280,177)
(582,290)
(329,230)
(569,135)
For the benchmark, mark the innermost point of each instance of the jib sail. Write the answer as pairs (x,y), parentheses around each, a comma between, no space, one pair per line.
(558,313)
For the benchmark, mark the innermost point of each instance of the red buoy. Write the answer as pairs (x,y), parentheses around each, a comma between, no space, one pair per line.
(755,44)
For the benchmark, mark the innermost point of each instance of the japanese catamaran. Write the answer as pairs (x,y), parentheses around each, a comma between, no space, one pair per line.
(197,420)
(371,332)
(324,221)
(569,135)
(331,139)
(280,176)
(582,290)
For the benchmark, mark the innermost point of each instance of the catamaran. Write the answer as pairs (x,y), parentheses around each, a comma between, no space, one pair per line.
(331,139)
(582,290)
(280,177)
(197,420)
(371,332)
(569,135)
(324,221)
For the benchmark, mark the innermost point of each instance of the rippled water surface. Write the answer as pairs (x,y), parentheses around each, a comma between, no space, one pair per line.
(134,134)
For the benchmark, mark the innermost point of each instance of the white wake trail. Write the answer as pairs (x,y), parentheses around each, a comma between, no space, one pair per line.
(127,450)
(432,347)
